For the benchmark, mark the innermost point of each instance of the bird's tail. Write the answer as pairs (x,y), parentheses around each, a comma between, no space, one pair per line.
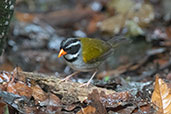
(118,41)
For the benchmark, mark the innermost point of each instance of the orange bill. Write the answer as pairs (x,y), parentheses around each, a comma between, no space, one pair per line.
(61,53)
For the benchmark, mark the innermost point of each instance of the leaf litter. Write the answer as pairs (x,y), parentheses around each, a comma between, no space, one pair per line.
(34,40)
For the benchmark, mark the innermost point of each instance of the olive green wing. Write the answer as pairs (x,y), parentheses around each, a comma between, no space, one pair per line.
(94,49)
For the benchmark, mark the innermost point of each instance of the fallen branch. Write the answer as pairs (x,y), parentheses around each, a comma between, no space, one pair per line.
(63,88)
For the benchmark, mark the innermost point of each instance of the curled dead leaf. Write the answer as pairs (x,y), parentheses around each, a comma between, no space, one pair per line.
(161,97)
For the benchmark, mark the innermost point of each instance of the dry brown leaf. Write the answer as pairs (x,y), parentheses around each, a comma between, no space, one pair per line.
(19,88)
(161,96)
(38,94)
(161,61)
(54,104)
(24,17)
(95,98)
(120,6)
(87,110)
(113,24)
(144,108)
(134,17)
(66,17)
(6,66)
(92,26)
(168,32)
(141,13)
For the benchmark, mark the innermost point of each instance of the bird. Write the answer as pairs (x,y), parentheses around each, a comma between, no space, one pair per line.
(86,54)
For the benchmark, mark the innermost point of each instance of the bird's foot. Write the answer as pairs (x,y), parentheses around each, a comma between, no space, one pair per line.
(88,83)
(65,79)
(85,84)
(68,77)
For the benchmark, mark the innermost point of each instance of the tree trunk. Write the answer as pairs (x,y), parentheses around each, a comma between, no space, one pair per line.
(6,12)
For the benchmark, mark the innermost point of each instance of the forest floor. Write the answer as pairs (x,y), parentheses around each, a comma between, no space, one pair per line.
(136,79)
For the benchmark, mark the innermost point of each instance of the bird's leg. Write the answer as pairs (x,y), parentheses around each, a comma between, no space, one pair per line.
(69,76)
(89,81)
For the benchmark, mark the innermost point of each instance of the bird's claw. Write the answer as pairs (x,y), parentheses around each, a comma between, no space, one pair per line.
(85,84)
(64,80)
(68,77)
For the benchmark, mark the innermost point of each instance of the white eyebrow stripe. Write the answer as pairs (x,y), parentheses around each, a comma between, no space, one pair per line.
(73,44)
